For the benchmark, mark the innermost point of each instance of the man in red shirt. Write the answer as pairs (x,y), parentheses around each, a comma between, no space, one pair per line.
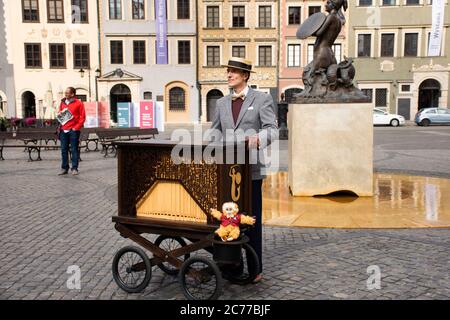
(70,131)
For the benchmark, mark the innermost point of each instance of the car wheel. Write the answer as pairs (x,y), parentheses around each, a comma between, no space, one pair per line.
(425,122)
(395,123)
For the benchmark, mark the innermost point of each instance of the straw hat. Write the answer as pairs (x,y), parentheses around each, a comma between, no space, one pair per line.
(240,63)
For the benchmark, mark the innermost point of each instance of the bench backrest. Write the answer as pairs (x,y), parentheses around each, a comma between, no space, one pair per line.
(43,135)
(117,133)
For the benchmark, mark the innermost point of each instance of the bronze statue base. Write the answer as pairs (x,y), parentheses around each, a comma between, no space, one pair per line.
(339,95)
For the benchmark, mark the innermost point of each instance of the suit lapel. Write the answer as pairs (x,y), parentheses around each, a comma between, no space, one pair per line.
(247,103)
(229,114)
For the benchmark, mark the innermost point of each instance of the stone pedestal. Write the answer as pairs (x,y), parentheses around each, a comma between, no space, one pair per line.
(330,148)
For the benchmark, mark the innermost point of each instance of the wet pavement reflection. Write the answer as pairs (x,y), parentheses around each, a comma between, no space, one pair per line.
(399,201)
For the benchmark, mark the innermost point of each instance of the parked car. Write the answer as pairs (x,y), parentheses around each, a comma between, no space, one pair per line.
(428,116)
(381,117)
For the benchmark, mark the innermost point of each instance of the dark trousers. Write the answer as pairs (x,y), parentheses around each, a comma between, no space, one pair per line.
(70,138)
(255,233)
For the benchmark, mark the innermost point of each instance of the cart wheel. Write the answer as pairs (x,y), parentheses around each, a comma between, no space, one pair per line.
(250,267)
(168,244)
(131,269)
(200,279)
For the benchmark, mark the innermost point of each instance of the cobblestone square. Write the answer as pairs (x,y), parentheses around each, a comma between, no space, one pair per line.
(50,223)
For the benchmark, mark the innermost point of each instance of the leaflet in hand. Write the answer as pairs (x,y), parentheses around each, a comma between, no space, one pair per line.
(64,116)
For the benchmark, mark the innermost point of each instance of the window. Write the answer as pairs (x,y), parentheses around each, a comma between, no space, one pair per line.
(406,88)
(411,44)
(265,56)
(177,99)
(212,13)
(380,97)
(238,51)
(57,55)
(115,9)
(138,9)
(82,97)
(310,56)
(313,9)
(389,2)
(183,9)
(294,15)
(30,10)
(139,52)
(79,11)
(147,95)
(293,55)
(365,3)
(81,56)
(33,55)
(387,45)
(337,49)
(55,11)
(265,16)
(116,52)
(184,52)
(364,45)
(238,16)
(377,111)
(368,93)
(412,2)
(213,56)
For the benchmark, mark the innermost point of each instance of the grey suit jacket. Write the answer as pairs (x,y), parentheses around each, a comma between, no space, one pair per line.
(257,113)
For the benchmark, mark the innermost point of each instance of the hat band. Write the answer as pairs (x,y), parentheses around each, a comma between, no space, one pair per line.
(239,65)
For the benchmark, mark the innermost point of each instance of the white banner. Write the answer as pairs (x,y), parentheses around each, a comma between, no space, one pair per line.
(437,28)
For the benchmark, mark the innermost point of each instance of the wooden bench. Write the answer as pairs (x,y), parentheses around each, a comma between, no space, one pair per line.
(33,142)
(108,136)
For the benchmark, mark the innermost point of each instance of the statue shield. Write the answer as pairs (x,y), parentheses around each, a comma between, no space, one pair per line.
(311,25)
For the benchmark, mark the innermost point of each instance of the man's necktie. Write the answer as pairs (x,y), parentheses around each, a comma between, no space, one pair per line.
(236,96)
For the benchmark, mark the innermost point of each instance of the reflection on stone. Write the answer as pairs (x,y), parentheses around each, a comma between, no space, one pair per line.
(399,202)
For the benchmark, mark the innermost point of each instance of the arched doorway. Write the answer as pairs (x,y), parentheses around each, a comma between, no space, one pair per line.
(429,93)
(289,93)
(118,93)
(28,104)
(211,99)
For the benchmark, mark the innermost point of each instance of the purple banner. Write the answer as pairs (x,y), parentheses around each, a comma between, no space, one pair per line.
(161,32)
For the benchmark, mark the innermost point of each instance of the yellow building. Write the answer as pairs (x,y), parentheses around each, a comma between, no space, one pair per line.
(241,28)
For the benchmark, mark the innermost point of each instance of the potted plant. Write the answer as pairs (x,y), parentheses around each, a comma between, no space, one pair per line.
(3,124)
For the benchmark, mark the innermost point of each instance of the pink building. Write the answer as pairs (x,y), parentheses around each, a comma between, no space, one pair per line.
(296,53)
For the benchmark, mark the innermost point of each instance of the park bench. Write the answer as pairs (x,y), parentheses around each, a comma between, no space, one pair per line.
(107,137)
(33,142)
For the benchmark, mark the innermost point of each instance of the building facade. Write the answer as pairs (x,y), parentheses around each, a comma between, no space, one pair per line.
(48,42)
(389,39)
(296,53)
(241,28)
(7,102)
(130,72)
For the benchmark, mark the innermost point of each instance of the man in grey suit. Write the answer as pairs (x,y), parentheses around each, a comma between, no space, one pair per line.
(248,114)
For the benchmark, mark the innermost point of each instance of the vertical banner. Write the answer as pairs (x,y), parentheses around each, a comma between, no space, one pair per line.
(131,123)
(103,114)
(123,114)
(160,116)
(161,32)
(437,28)
(91,109)
(137,115)
(147,115)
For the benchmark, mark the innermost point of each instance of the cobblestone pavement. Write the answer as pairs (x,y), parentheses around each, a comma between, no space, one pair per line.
(50,223)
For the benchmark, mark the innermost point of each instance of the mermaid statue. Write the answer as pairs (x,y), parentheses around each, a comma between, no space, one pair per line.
(324,79)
